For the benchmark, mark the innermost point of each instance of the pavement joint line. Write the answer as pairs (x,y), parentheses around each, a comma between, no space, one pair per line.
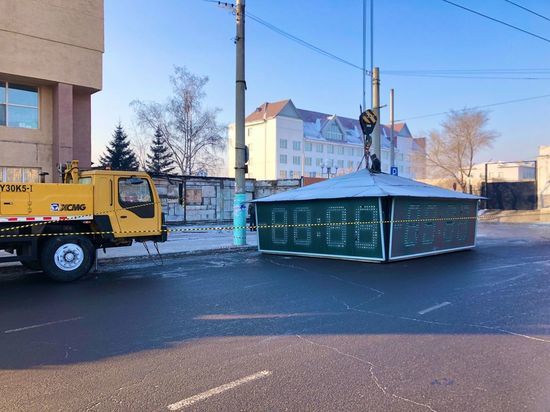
(55,322)
(184,403)
(434,307)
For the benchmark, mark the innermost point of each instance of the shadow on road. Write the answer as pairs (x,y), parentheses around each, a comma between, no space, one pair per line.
(138,307)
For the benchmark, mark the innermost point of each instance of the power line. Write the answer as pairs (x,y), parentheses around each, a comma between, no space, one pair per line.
(472,71)
(498,21)
(456,76)
(302,42)
(527,10)
(453,74)
(526,99)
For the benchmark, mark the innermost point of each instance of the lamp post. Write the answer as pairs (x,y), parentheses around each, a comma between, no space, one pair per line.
(329,169)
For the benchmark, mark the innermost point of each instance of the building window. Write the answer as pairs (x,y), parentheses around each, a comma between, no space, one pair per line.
(282,174)
(248,131)
(333,132)
(296,160)
(307,161)
(312,174)
(282,159)
(19,174)
(318,161)
(340,163)
(319,148)
(296,145)
(18,106)
(349,151)
(283,143)
(330,148)
(307,147)
(340,150)
(350,164)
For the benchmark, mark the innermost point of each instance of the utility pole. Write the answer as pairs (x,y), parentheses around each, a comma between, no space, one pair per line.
(376,109)
(239,203)
(364,54)
(371,41)
(392,121)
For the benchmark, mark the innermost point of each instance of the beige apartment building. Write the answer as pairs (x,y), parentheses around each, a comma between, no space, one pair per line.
(51,64)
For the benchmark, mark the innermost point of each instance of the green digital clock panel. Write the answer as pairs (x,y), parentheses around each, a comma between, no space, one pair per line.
(425,226)
(341,228)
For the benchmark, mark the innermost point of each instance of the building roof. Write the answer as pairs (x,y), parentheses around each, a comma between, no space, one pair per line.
(366,184)
(267,111)
(315,123)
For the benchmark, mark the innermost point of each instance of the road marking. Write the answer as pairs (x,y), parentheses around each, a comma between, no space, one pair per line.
(216,391)
(423,312)
(43,324)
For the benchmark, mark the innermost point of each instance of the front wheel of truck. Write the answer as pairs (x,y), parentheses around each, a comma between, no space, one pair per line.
(67,258)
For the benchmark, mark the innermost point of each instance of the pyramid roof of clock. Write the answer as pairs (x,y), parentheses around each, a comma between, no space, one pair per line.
(363,183)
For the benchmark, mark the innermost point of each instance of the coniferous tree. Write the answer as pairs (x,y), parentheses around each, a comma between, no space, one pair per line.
(160,159)
(119,155)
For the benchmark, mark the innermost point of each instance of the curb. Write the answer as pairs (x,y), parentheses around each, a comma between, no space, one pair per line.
(172,255)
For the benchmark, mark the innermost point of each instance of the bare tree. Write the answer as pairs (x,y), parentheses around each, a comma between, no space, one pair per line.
(453,149)
(140,143)
(190,131)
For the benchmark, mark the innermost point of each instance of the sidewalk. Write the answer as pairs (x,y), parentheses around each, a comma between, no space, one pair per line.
(182,242)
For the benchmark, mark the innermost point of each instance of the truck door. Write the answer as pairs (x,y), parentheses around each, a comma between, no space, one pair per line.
(135,211)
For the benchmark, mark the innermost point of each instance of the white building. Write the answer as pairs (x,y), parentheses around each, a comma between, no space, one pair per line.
(543,177)
(286,142)
(521,171)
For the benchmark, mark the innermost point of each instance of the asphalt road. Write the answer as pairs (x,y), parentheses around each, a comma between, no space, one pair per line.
(242,331)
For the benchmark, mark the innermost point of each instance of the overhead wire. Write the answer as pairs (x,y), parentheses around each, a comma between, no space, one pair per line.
(527,10)
(526,99)
(497,21)
(302,42)
(423,73)
(457,74)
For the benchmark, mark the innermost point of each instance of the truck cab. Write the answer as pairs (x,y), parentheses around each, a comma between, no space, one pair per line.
(57,227)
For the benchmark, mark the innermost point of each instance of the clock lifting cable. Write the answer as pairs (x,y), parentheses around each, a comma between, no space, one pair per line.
(368,120)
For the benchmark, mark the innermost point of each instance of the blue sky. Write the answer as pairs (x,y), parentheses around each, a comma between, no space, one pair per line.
(145,39)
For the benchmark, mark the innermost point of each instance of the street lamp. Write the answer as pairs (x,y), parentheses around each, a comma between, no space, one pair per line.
(329,169)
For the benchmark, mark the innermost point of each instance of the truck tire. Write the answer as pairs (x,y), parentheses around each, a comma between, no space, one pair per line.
(67,258)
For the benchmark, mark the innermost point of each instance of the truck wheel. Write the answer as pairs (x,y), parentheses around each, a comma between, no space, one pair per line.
(67,258)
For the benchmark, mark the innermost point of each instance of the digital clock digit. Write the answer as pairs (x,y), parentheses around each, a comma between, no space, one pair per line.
(423,226)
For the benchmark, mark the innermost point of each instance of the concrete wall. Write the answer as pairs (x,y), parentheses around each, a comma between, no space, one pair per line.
(209,199)
(57,46)
(59,41)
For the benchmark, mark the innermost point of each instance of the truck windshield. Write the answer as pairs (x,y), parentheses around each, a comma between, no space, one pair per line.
(85,181)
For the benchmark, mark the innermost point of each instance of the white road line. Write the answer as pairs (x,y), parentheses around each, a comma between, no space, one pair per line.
(423,312)
(216,391)
(43,324)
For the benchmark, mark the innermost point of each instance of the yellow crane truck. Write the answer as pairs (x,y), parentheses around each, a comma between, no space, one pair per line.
(57,227)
